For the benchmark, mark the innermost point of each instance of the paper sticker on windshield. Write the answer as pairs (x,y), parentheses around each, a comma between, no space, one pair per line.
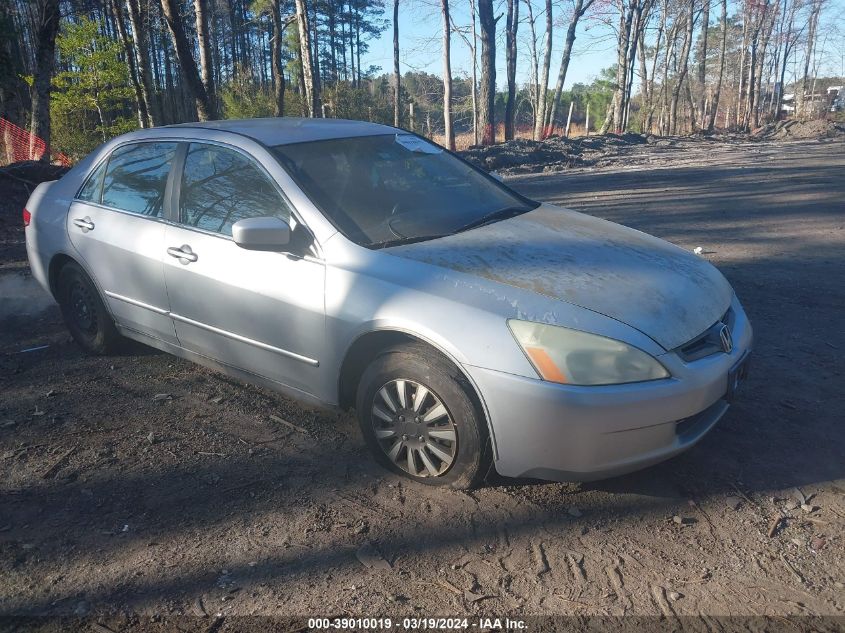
(416,144)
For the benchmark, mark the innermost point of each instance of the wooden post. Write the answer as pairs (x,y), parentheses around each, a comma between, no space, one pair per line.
(569,119)
(588,118)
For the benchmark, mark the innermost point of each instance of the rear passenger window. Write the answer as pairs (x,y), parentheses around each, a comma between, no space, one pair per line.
(137,176)
(221,186)
(93,187)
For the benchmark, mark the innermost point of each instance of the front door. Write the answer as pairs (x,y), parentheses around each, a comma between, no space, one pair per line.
(262,312)
(116,225)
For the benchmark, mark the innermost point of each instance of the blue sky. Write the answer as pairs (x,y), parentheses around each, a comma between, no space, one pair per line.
(420,42)
(420,32)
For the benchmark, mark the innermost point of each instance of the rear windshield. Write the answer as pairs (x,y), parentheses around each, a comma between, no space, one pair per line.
(386,189)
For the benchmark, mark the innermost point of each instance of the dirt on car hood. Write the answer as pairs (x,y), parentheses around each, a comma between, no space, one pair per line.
(654,286)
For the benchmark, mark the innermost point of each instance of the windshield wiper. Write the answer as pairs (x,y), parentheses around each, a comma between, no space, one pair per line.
(494,216)
(403,240)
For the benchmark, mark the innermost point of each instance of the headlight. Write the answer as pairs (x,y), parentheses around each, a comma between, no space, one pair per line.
(571,357)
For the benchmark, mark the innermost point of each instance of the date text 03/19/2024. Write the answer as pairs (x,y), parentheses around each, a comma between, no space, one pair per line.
(417,623)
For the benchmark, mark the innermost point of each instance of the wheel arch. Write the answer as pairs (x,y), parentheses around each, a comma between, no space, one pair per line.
(59,261)
(369,345)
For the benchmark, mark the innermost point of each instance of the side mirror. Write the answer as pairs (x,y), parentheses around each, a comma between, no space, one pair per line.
(261,234)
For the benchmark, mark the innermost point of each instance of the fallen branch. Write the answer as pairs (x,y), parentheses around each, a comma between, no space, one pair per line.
(290,425)
(52,470)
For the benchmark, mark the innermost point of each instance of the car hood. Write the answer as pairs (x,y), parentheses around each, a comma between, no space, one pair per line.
(660,289)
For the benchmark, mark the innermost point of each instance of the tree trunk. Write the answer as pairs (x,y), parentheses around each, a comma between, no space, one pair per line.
(397,97)
(319,109)
(682,71)
(310,97)
(648,79)
(129,53)
(487,113)
(789,43)
(204,107)
(447,78)
(534,85)
(577,12)
(811,43)
(540,131)
(714,107)
(767,34)
(45,56)
(702,61)
(741,88)
(358,47)
(140,36)
(276,60)
(617,107)
(204,41)
(511,27)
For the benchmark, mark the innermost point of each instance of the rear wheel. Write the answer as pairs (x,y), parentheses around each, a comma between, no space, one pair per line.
(84,313)
(419,419)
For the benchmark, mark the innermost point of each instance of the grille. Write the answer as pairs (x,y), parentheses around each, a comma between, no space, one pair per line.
(708,342)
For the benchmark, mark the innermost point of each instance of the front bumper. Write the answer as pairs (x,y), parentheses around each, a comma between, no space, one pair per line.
(569,433)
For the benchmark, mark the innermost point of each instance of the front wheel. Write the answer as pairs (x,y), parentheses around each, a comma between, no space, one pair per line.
(419,420)
(84,313)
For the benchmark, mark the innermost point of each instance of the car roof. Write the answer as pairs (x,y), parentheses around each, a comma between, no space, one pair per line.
(287,130)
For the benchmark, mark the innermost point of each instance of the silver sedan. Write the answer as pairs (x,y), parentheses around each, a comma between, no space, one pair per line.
(355,265)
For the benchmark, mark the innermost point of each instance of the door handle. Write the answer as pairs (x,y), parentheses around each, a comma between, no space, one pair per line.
(183,253)
(84,223)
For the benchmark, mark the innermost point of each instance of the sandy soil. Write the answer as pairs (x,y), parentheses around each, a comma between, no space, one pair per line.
(142,485)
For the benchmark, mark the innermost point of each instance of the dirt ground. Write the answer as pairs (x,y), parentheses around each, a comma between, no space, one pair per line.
(143,486)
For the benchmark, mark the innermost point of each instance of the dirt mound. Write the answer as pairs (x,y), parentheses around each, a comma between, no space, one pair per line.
(17,182)
(555,153)
(799,130)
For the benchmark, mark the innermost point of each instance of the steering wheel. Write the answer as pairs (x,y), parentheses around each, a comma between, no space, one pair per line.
(391,219)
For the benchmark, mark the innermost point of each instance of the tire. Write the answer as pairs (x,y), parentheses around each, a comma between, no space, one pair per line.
(393,433)
(84,313)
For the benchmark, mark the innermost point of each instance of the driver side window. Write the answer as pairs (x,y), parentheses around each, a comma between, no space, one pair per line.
(221,186)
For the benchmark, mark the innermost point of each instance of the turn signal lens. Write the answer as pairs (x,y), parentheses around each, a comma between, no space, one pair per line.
(27,217)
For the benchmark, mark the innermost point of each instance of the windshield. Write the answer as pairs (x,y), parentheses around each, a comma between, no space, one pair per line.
(396,188)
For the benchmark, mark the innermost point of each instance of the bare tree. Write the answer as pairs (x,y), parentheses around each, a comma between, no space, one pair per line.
(276,58)
(717,92)
(312,99)
(790,39)
(511,27)
(813,22)
(129,53)
(204,107)
(542,93)
(487,112)
(204,41)
(683,66)
(649,77)
(141,43)
(47,16)
(534,82)
(397,97)
(702,64)
(447,76)
(470,41)
(769,15)
(578,11)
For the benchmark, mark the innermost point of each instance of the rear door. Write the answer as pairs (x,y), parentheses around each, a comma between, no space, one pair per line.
(117,225)
(262,312)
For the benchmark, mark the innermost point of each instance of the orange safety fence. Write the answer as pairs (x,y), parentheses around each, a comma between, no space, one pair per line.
(17,144)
